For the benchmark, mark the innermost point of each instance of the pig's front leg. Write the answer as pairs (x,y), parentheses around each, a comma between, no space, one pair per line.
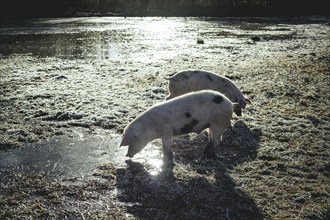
(167,151)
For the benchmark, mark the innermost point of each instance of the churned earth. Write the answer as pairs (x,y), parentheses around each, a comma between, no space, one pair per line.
(69,86)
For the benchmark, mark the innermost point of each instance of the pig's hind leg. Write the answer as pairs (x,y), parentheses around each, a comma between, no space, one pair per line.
(215,137)
(209,151)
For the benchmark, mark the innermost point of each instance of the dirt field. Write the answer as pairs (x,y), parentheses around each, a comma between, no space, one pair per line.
(273,164)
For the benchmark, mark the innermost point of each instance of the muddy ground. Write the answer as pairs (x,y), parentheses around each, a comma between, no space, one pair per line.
(273,163)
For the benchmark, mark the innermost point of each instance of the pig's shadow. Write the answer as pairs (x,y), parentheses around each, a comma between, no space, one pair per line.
(197,188)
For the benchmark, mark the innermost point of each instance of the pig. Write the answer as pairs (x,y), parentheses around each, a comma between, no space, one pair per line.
(195,80)
(191,112)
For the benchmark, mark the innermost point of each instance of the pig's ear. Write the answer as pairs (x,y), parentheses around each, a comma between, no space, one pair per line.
(248,101)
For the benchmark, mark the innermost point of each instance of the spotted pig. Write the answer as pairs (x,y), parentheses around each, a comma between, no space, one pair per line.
(195,80)
(191,112)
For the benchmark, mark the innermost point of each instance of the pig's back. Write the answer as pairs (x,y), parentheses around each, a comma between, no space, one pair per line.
(201,104)
(188,81)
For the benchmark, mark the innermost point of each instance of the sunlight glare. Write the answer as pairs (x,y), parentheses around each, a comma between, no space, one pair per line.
(151,157)
(156,165)
(161,29)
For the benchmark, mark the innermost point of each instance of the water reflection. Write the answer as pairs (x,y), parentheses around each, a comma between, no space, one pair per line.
(121,39)
(151,157)
(64,156)
(139,39)
(98,38)
(78,156)
(157,165)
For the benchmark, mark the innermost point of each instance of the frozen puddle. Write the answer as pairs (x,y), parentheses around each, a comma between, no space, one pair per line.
(64,156)
(77,156)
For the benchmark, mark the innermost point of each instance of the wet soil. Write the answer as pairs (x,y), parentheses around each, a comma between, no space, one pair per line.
(70,83)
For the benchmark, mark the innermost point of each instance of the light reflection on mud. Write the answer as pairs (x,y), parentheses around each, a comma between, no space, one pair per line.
(151,157)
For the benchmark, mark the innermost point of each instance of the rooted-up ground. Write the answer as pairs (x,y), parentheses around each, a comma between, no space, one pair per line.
(274,162)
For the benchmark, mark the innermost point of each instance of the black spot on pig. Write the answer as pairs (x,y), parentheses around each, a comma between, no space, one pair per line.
(209,77)
(189,127)
(187,114)
(185,76)
(217,99)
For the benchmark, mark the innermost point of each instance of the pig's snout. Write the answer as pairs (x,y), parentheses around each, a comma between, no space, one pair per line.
(129,155)
(238,110)
(132,150)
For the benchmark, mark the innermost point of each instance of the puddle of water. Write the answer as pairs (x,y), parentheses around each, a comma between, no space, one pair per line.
(136,39)
(79,156)
(97,38)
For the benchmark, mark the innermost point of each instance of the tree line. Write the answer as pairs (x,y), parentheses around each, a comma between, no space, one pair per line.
(16,9)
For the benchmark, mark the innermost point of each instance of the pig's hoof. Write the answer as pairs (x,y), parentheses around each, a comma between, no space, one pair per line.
(168,165)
